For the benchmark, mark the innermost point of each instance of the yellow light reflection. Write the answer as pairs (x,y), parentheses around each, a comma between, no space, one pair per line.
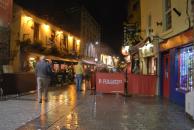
(72,120)
(61,97)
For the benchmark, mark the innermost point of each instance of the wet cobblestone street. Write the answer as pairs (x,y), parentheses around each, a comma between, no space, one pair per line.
(71,110)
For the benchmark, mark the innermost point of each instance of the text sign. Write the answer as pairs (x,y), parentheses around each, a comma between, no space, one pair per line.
(110,82)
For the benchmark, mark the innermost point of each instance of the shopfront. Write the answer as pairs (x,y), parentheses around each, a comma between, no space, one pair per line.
(186,55)
(176,70)
(148,60)
(62,67)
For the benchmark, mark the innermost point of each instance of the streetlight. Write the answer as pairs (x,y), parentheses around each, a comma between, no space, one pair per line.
(96,59)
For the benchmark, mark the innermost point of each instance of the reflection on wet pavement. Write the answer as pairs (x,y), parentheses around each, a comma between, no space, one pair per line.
(82,111)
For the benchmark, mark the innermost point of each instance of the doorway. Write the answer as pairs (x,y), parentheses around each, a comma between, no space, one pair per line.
(166,75)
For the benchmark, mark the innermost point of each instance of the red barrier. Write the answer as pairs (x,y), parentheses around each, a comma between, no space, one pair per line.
(110,82)
(142,84)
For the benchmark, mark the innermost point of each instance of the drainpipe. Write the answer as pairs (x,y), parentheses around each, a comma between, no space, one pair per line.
(156,42)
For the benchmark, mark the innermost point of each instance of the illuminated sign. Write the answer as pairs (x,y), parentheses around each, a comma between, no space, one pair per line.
(125,50)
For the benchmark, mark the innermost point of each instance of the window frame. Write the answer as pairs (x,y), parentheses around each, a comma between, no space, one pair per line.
(167,15)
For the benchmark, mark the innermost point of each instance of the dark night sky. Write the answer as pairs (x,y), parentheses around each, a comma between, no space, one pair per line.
(109,13)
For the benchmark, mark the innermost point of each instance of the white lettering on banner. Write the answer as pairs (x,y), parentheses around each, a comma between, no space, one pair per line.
(100,81)
(110,81)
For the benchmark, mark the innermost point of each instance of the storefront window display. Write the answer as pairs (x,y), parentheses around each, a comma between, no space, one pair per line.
(32,64)
(56,67)
(186,64)
(135,66)
(29,64)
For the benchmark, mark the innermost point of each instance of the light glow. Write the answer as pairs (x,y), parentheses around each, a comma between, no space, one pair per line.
(125,50)
(31,58)
(96,59)
(46,27)
(27,19)
(70,37)
(59,32)
(78,42)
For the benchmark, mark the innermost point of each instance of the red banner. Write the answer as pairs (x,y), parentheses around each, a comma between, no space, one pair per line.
(110,82)
(5,12)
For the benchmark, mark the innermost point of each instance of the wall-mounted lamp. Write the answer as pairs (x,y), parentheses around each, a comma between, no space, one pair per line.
(59,32)
(177,12)
(77,42)
(46,27)
(27,19)
(96,59)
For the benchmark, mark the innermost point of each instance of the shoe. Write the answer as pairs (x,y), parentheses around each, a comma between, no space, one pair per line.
(40,101)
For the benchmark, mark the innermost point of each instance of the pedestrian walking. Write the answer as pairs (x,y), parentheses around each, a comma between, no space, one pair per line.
(78,69)
(43,73)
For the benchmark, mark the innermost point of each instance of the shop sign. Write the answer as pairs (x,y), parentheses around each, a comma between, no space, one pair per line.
(5,12)
(110,82)
(179,40)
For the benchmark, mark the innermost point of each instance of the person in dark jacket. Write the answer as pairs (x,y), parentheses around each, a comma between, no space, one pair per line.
(88,77)
(43,73)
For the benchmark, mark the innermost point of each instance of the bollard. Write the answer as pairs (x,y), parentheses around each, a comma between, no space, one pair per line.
(126,94)
(93,83)
(1,94)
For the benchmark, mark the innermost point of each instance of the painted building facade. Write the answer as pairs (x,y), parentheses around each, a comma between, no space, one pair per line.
(31,35)
(84,25)
(90,30)
(131,36)
(168,23)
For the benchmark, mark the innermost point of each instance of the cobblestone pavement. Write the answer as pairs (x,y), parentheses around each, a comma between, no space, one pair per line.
(71,110)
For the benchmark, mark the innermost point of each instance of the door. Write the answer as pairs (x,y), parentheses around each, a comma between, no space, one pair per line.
(166,75)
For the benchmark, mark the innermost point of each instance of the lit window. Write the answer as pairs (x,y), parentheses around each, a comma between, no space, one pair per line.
(185,68)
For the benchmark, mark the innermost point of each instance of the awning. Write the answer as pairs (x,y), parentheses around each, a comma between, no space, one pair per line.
(55,58)
(62,59)
(89,62)
(135,49)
